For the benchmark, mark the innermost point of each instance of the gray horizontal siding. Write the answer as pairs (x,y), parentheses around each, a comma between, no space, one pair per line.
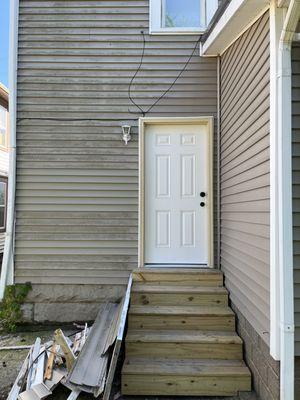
(296,186)
(77,184)
(245,179)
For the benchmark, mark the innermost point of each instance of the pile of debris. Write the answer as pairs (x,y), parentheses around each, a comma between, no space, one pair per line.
(83,362)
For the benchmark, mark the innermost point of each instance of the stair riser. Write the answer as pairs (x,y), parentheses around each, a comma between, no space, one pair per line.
(203,323)
(147,385)
(171,299)
(185,350)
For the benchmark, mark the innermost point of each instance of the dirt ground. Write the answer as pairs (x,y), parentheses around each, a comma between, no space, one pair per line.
(12,360)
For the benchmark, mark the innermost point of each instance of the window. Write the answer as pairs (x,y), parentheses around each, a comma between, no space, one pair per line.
(3,126)
(181,16)
(3,203)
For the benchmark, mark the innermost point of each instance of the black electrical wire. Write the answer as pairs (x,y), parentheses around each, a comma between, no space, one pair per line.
(135,74)
(144,112)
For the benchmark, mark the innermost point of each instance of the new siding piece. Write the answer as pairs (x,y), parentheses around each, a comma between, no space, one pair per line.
(296,186)
(77,183)
(245,180)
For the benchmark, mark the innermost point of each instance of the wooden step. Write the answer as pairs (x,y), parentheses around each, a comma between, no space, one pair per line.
(158,377)
(179,276)
(181,317)
(175,295)
(184,344)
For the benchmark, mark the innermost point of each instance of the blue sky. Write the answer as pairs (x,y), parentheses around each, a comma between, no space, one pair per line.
(4,29)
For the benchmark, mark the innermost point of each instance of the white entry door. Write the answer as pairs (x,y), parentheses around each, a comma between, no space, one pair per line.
(177,200)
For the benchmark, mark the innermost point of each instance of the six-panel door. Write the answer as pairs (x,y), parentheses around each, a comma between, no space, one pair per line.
(176,194)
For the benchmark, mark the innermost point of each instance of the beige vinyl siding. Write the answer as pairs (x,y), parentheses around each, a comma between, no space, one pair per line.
(296,186)
(245,180)
(77,183)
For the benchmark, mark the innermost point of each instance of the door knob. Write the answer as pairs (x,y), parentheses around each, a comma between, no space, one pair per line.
(202,194)
(202,204)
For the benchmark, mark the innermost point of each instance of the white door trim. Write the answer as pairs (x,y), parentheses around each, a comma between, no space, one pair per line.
(143,122)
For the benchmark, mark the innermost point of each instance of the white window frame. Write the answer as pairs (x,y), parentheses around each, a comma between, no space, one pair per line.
(155,23)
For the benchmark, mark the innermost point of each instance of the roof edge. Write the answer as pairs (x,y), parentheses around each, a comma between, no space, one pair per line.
(236,18)
(4,95)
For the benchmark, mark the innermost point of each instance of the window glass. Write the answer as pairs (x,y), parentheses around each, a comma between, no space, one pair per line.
(181,13)
(2,193)
(2,218)
(3,186)
(3,126)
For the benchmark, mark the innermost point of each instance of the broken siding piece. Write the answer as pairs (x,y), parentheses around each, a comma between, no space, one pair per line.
(120,335)
(32,362)
(90,369)
(15,390)
(38,378)
(80,339)
(57,375)
(37,392)
(74,395)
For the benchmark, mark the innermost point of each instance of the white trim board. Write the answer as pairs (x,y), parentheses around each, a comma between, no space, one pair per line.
(276,24)
(143,122)
(238,17)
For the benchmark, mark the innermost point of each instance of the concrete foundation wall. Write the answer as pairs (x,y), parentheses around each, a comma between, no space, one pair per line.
(68,303)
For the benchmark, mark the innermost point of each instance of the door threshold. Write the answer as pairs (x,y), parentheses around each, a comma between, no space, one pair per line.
(182,266)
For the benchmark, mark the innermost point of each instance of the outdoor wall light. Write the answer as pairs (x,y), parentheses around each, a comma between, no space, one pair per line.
(126,133)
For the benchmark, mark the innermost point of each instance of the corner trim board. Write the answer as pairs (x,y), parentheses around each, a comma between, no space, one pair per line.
(7,272)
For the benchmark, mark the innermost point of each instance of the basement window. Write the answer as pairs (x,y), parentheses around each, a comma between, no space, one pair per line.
(181,16)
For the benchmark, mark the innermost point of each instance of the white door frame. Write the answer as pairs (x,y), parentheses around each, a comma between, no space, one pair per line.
(143,122)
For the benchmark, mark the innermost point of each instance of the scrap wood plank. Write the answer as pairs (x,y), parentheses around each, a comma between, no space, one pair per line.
(80,339)
(120,335)
(8,348)
(15,390)
(50,362)
(68,353)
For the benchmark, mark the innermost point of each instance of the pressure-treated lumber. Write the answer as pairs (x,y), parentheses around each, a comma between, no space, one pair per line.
(50,362)
(178,276)
(184,344)
(187,317)
(154,294)
(182,377)
(68,353)
(181,338)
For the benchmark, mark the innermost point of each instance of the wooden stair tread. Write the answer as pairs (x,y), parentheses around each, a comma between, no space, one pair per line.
(162,366)
(192,271)
(176,336)
(181,310)
(153,288)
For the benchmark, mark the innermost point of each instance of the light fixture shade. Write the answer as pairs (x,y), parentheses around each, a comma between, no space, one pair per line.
(126,133)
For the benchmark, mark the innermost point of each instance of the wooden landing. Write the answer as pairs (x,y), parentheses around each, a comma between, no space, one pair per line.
(181,336)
